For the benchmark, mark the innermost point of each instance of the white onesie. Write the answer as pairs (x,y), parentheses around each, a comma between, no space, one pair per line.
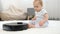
(40,16)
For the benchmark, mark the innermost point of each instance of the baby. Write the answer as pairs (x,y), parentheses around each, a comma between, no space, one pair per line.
(41,16)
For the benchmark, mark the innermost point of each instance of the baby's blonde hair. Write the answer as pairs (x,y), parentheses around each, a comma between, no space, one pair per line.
(39,1)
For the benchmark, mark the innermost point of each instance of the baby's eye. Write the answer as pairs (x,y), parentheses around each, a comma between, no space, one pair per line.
(36,6)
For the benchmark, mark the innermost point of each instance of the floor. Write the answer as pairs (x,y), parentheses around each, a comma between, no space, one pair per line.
(53,28)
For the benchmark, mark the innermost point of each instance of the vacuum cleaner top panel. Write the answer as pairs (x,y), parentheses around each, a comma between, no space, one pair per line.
(15,24)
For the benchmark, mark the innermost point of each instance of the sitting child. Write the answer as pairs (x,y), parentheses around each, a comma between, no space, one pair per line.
(41,17)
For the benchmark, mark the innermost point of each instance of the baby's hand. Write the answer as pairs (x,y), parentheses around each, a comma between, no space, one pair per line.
(41,23)
(34,18)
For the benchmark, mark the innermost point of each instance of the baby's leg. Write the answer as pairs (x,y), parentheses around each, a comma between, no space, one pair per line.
(31,24)
(44,25)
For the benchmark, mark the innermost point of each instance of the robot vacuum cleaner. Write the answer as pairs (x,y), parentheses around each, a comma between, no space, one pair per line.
(15,26)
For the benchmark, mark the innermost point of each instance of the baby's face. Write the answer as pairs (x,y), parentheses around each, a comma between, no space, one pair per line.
(37,6)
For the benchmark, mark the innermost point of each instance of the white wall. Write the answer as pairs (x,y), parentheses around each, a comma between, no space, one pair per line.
(21,4)
(53,8)
(0,6)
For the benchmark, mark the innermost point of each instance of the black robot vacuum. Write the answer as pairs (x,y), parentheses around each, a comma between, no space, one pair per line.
(15,26)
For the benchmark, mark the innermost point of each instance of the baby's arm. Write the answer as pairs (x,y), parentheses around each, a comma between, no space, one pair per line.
(44,19)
